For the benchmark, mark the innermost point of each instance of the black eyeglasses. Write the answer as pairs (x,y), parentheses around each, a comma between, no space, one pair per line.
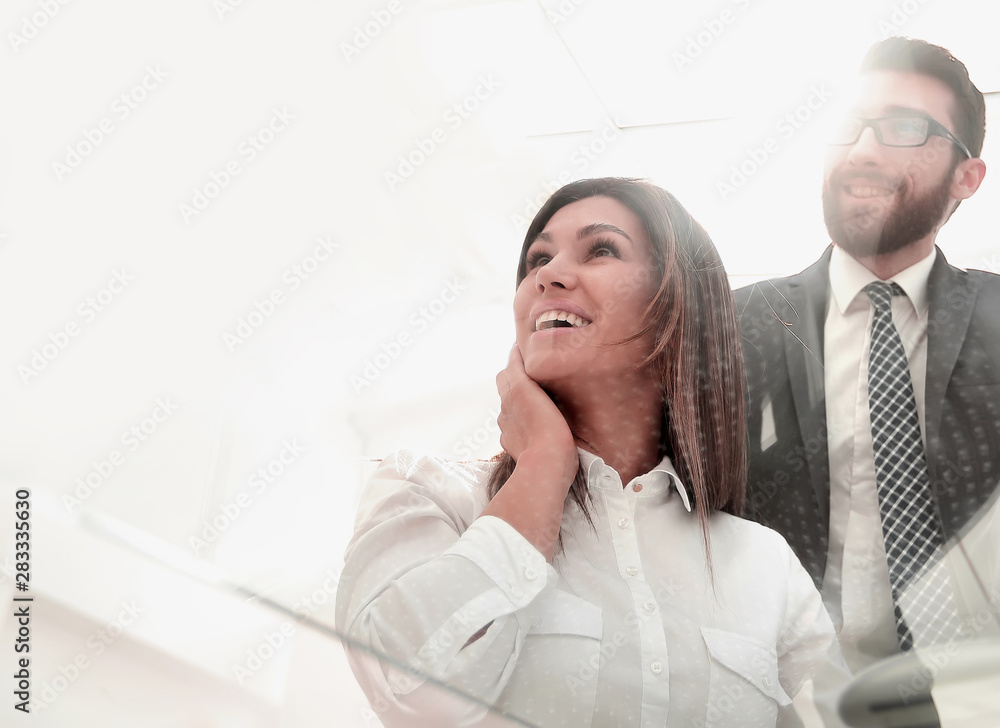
(896,131)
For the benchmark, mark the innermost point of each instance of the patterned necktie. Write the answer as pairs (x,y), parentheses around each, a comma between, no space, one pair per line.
(921,591)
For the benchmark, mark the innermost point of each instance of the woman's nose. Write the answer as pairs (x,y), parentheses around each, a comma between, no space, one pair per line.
(557,273)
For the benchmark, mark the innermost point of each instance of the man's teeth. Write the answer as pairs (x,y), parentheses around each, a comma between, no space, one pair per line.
(865,191)
(552,319)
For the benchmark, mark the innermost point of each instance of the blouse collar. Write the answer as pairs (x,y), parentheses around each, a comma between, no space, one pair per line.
(658,480)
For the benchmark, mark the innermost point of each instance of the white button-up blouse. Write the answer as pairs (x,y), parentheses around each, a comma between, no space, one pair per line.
(626,627)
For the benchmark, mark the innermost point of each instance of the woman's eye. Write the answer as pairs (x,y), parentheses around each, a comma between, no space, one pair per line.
(536,259)
(604,249)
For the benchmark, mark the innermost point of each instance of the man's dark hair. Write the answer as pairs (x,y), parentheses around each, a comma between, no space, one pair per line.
(917,56)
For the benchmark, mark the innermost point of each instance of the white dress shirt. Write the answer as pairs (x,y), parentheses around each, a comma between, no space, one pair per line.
(623,628)
(856,584)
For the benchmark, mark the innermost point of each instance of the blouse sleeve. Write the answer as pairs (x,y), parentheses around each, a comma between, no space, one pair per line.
(807,648)
(431,593)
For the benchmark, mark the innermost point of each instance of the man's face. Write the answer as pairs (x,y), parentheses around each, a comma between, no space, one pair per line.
(879,199)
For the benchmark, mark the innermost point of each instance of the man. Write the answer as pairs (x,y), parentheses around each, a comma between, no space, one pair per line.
(871,477)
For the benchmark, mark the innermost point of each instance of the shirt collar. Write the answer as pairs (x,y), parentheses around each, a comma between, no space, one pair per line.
(593,465)
(848,277)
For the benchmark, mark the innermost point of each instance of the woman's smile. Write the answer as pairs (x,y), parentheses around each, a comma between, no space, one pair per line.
(586,291)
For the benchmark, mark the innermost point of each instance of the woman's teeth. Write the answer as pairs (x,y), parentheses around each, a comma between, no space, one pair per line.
(554,319)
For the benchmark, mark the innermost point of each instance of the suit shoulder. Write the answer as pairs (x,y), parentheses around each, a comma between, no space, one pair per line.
(964,287)
(762,295)
(765,303)
(988,282)
(766,287)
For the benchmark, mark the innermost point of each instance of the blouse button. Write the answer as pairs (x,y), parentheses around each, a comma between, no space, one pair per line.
(637,487)
(767,682)
(631,571)
(656,667)
(623,522)
(649,607)
(530,573)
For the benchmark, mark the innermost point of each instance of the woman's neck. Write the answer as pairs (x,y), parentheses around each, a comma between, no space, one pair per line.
(621,422)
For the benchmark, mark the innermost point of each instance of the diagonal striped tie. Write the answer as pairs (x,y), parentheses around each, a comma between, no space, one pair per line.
(921,591)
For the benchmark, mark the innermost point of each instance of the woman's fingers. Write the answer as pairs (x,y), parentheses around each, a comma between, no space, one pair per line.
(528,416)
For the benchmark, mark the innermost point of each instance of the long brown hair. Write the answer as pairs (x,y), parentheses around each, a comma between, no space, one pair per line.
(696,355)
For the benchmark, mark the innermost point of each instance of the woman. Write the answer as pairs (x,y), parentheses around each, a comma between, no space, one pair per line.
(596,574)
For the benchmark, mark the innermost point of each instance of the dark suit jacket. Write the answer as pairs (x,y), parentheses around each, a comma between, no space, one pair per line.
(782,323)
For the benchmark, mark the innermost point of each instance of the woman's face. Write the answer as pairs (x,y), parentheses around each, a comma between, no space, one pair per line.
(590,276)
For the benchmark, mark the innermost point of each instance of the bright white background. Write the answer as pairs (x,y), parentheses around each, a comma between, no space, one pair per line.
(419,138)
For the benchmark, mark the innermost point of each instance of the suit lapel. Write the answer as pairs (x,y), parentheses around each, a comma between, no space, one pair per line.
(951,296)
(804,325)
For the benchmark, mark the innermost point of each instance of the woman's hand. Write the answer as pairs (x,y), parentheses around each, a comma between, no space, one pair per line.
(528,416)
(535,433)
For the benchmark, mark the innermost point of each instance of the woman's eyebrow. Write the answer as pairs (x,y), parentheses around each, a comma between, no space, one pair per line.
(601,227)
(585,232)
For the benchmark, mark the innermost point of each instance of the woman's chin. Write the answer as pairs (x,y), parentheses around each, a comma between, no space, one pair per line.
(554,378)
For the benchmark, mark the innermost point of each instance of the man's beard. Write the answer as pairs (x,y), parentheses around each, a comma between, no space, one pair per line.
(905,219)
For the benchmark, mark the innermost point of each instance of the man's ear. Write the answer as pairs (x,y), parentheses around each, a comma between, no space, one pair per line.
(967,177)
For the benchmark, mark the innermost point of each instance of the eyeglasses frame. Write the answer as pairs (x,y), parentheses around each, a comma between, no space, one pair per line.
(934,128)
